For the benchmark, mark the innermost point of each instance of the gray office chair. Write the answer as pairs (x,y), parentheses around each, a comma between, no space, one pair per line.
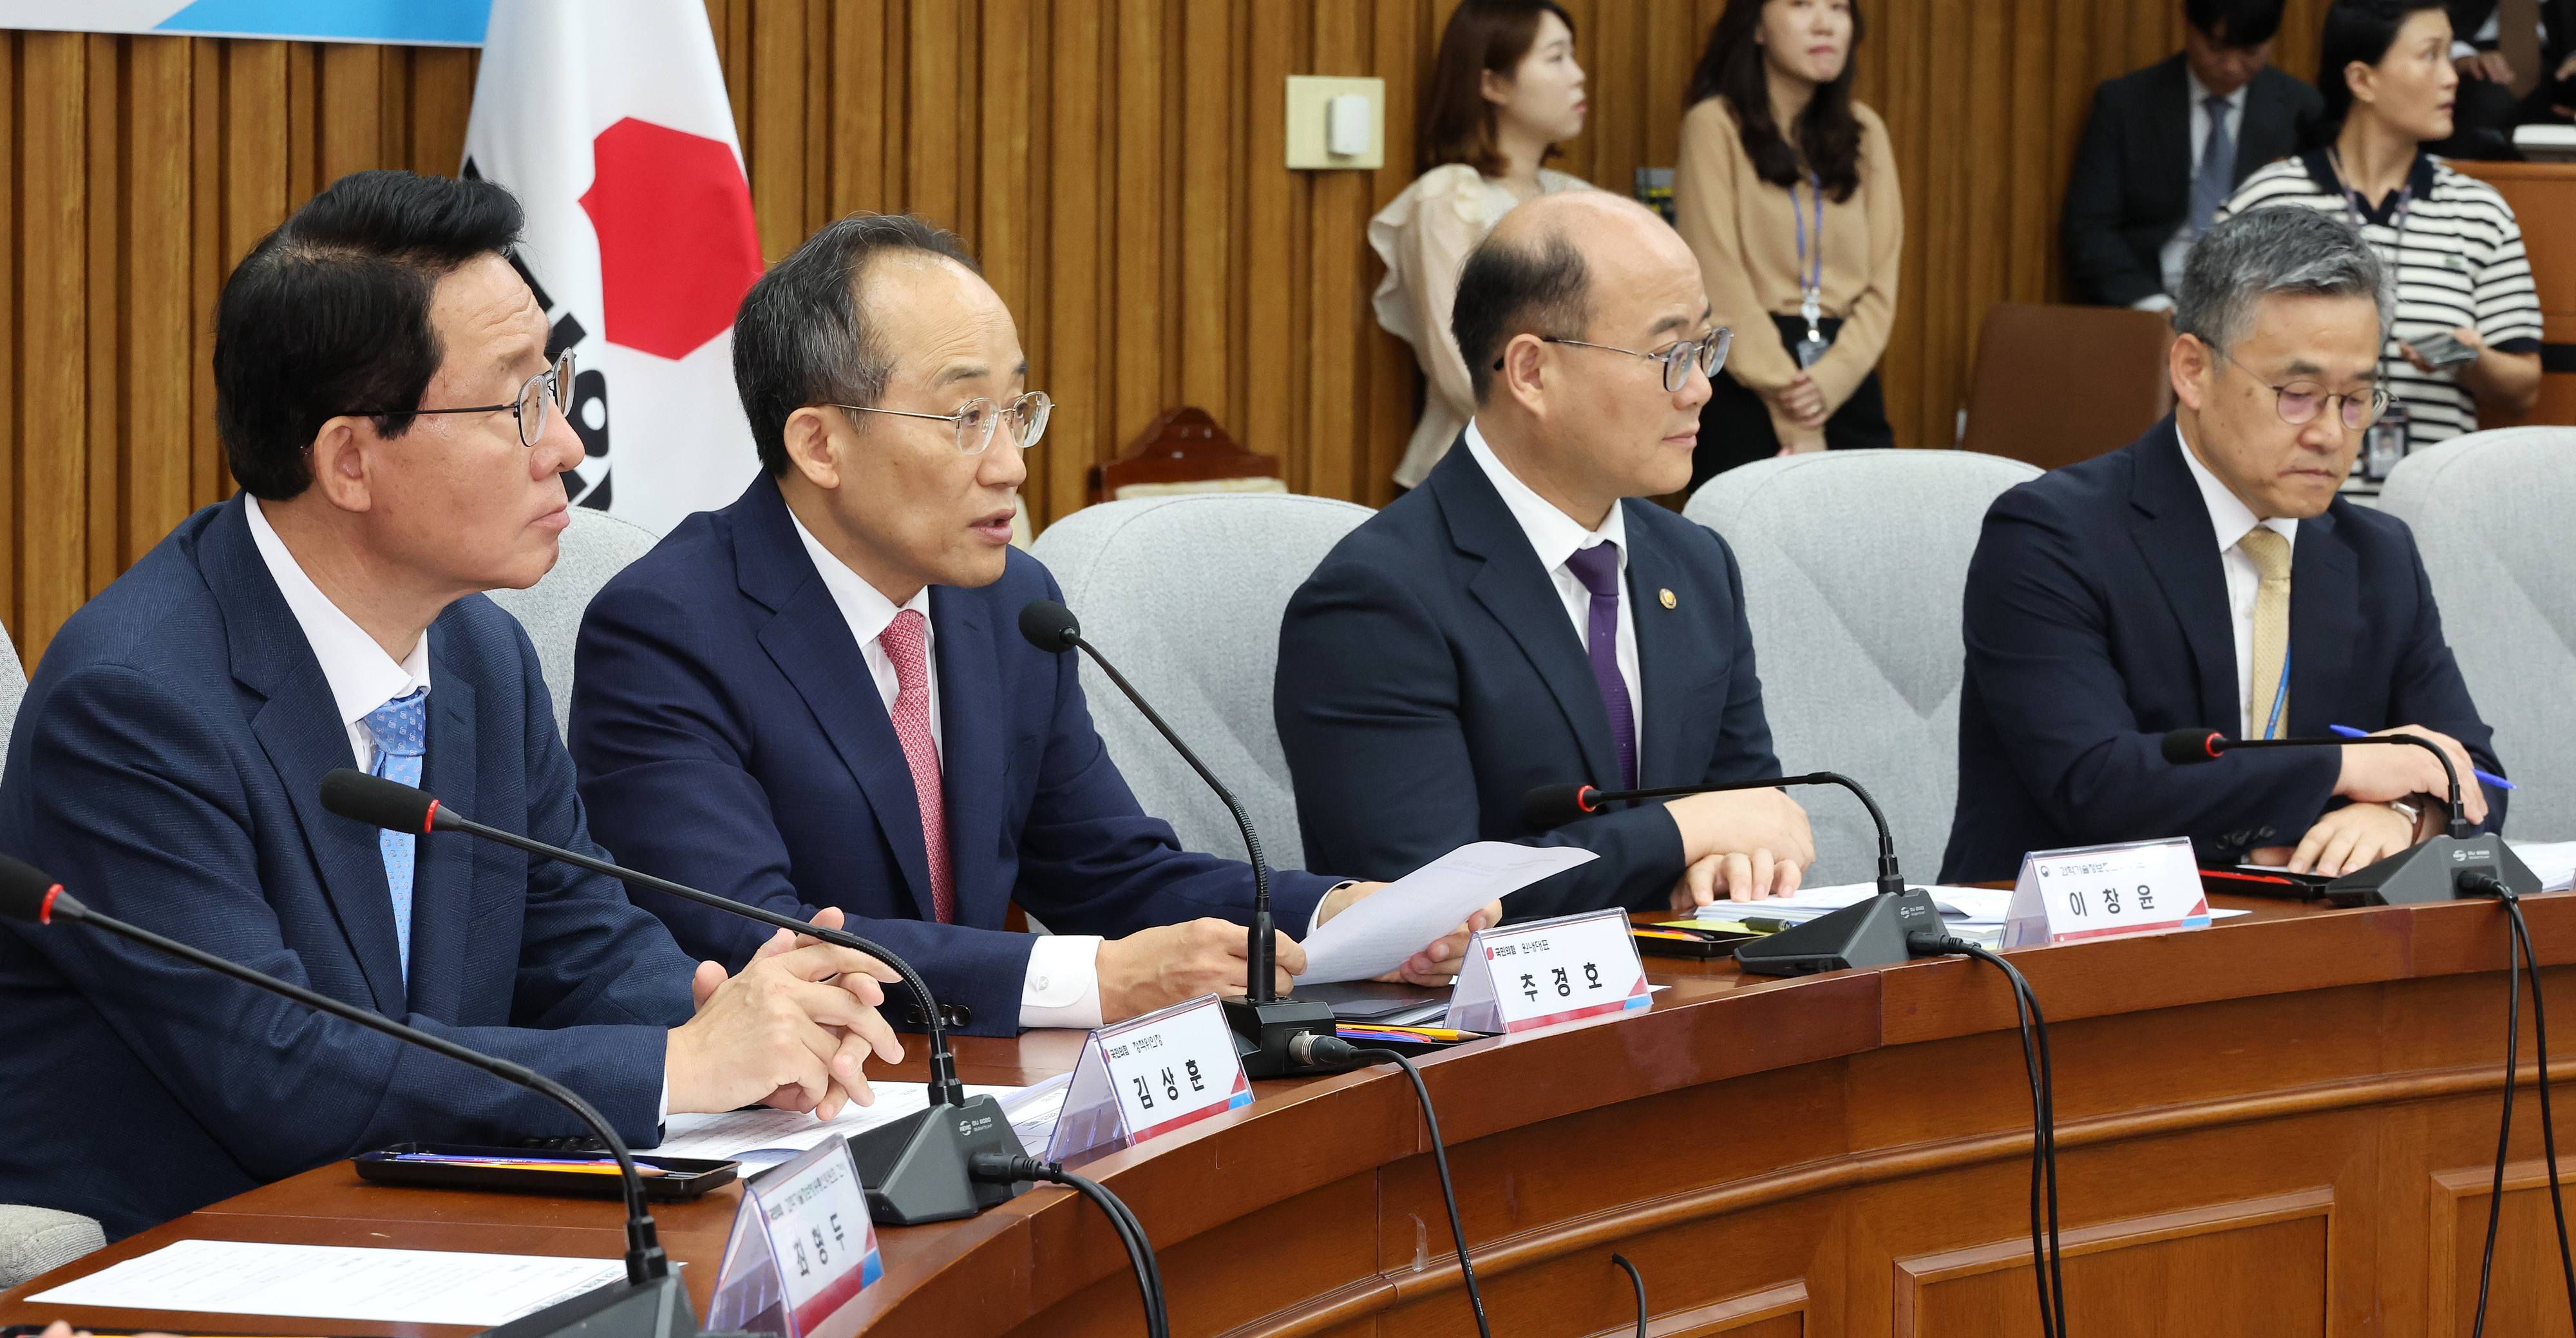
(13,686)
(1855,563)
(2490,512)
(595,547)
(1184,595)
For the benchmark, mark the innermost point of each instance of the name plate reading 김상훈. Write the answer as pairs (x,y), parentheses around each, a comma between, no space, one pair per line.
(802,1246)
(1148,1076)
(2137,887)
(1538,974)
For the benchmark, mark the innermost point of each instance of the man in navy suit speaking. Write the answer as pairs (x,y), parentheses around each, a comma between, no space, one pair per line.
(819,696)
(1529,617)
(2209,575)
(385,400)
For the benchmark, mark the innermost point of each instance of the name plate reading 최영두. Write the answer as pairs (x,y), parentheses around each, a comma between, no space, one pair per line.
(2085,892)
(1522,977)
(802,1246)
(1149,1075)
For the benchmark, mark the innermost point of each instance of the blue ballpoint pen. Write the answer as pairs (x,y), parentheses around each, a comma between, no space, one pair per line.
(2489,777)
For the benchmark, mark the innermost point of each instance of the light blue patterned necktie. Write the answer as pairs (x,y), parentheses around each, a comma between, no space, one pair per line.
(400,729)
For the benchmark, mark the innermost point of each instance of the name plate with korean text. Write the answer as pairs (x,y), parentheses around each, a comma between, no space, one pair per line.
(1527,976)
(802,1246)
(2085,892)
(1149,1075)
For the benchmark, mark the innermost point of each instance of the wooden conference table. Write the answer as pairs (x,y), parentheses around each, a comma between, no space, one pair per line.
(2281,1125)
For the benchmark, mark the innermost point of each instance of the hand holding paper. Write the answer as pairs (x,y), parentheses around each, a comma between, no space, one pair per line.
(1383,931)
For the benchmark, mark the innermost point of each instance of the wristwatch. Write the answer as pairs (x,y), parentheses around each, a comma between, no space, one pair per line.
(2412,814)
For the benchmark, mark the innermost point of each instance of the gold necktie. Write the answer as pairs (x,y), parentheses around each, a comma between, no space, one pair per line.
(2271,556)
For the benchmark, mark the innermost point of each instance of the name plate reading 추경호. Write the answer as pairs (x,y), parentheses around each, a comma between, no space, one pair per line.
(1526,976)
(1150,1075)
(2085,892)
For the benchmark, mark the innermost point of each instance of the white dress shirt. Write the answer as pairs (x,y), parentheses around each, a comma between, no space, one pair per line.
(1063,984)
(362,676)
(2178,247)
(1556,537)
(2233,520)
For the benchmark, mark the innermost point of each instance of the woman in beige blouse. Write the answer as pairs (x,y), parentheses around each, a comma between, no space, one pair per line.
(1503,90)
(1799,230)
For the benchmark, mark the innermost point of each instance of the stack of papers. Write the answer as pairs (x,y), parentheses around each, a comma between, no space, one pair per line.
(1381,930)
(2554,861)
(1961,907)
(766,1137)
(338,1282)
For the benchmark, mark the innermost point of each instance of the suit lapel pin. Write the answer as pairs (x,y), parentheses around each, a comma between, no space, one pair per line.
(1665,598)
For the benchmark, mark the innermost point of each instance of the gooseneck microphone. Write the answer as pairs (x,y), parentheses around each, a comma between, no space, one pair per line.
(1264,1023)
(1556,805)
(2458,863)
(915,1169)
(652,1300)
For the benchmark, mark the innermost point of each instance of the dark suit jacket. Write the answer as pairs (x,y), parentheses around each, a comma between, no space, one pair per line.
(730,737)
(166,768)
(1429,678)
(2096,620)
(2131,183)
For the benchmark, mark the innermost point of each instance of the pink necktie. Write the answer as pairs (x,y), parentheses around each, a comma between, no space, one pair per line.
(903,640)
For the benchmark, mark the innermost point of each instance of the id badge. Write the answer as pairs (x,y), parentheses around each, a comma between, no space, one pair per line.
(2385,446)
(1811,348)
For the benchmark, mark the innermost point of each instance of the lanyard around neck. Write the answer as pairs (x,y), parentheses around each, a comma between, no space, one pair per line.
(1811,294)
(2354,212)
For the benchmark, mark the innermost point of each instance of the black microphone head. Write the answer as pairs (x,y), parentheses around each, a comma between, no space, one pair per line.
(1049,626)
(27,893)
(378,802)
(2186,746)
(1556,805)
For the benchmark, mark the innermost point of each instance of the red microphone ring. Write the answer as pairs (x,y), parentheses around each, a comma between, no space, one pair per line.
(429,820)
(45,908)
(2210,744)
(1583,799)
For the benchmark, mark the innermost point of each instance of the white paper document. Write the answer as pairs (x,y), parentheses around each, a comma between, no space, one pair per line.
(763,1137)
(338,1282)
(2554,861)
(1965,905)
(1380,930)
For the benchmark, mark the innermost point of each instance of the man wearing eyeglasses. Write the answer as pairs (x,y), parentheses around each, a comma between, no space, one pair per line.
(819,696)
(383,395)
(2209,575)
(1527,617)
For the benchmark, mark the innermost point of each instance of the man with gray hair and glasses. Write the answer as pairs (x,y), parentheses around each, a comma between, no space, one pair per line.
(818,697)
(2208,575)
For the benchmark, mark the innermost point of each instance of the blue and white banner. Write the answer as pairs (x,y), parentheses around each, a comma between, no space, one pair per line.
(407,22)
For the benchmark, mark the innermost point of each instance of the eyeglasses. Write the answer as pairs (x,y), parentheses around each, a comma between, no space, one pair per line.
(1709,353)
(978,417)
(2300,402)
(550,385)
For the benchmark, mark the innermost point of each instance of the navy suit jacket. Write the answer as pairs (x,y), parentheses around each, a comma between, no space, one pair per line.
(1429,679)
(730,737)
(2096,620)
(166,768)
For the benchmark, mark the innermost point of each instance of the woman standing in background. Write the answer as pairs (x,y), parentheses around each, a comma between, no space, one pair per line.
(1503,91)
(1787,192)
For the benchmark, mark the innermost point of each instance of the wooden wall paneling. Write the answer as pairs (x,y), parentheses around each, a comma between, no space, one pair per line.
(1265,416)
(774,133)
(103,178)
(1342,204)
(1131,323)
(1208,102)
(53,332)
(1385,426)
(13,500)
(1076,282)
(2528,1291)
(156,358)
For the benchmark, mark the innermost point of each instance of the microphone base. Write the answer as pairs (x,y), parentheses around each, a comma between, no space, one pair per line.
(2434,871)
(1867,933)
(1262,1032)
(656,1309)
(915,1169)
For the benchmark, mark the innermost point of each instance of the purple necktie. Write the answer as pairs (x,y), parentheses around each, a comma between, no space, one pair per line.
(1598,568)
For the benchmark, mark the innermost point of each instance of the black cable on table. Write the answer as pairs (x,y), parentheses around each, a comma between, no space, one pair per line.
(994,1167)
(1639,1280)
(2504,1127)
(2548,1122)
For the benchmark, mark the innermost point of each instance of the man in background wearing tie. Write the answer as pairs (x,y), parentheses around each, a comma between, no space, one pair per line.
(2165,147)
(1527,617)
(2208,575)
(384,398)
(819,695)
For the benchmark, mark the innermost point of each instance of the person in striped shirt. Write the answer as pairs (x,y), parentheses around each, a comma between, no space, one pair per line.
(2451,240)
